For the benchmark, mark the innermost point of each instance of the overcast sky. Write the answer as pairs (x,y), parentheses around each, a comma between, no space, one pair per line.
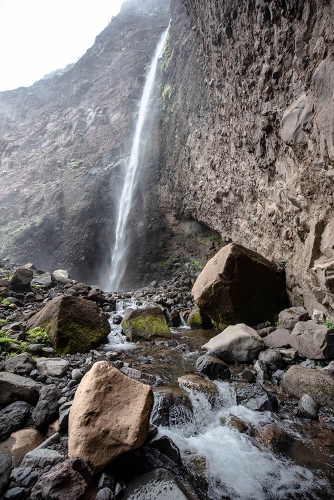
(40,36)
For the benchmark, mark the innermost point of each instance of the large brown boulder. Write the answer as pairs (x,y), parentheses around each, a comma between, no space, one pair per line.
(145,323)
(72,323)
(109,416)
(299,380)
(239,286)
(21,278)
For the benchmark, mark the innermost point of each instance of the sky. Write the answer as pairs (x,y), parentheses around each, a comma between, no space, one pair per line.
(40,36)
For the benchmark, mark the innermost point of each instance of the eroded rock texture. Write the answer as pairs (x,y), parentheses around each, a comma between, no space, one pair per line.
(248,131)
(64,144)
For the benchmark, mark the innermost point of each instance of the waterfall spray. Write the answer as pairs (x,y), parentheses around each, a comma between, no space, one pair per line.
(119,258)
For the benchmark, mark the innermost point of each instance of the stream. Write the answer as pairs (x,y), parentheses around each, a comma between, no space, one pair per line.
(223,462)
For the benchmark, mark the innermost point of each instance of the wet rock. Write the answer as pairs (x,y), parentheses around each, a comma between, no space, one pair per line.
(47,407)
(238,343)
(272,436)
(256,398)
(43,280)
(21,442)
(40,458)
(6,467)
(64,412)
(154,485)
(56,367)
(299,380)
(238,424)
(21,278)
(22,364)
(76,375)
(290,317)
(166,446)
(213,367)
(238,285)
(12,418)
(272,358)
(312,340)
(106,481)
(72,323)
(307,407)
(105,494)
(93,435)
(278,338)
(117,319)
(199,385)
(277,377)
(69,480)
(198,319)
(261,370)
(145,323)
(171,405)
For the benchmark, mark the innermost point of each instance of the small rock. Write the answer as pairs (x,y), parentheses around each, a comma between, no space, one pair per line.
(307,407)
(41,458)
(278,338)
(105,494)
(290,317)
(12,418)
(166,446)
(47,407)
(272,358)
(213,367)
(16,493)
(6,467)
(22,364)
(14,387)
(272,436)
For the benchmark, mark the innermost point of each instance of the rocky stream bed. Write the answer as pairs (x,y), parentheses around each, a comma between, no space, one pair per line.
(259,427)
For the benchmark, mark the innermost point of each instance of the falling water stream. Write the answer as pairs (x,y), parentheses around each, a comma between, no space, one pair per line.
(118,259)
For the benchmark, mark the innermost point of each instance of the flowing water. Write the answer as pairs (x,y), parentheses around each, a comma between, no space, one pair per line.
(232,465)
(119,257)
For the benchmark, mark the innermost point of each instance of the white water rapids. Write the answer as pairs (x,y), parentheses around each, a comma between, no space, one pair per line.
(119,258)
(233,465)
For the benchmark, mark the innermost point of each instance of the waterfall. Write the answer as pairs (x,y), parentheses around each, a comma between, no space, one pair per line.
(119,258)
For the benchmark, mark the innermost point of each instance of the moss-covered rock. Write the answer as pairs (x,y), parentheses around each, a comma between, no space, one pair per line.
(73,324)
(198,319)
(145,324)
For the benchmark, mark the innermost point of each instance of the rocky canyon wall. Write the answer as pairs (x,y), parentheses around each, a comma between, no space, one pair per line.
(64,144)
(247,132)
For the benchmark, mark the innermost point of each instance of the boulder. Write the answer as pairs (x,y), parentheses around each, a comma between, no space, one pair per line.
(69,480)
(62,276)
(272,358)
(166,446)
(47,407)
(72,323)
(20,443)
(12,418)
(5,470)
(256,398)
(299,380)
(239,286)
(278,338)
(145,323)
(199,385)
(213,367)
(288,318)
(171,401)
(21,278)
(56,367)
(312,340)
(198,319)
(238,343)
(272,436)
(14,387)
(43,281)
(110,416)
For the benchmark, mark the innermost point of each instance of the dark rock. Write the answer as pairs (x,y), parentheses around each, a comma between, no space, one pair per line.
(272,358)
(278,338)
(64,412)
(166,446)
(69,480)
(105,494)
(12,418)
(256,398)
(21,278)
(39,458)
(105,481)
(117,319)
(43,280)
(290,317)
(277,377)
(240,286)
(14,387)
(47,407)
(76,375)
(213,367)
(5,471)
(72,323)
(25,477)
(22,364)
(16,493)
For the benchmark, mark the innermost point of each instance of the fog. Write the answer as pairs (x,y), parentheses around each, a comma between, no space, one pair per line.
(40,36)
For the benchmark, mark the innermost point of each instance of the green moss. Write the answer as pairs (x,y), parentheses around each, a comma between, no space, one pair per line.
(71,338)
(3,321)
(5,344)
(5,302)
(146,327)
(195,320)
(37,335)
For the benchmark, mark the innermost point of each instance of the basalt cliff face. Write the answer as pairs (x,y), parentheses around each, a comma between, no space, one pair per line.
(64,144)
(247,132)
(246,141)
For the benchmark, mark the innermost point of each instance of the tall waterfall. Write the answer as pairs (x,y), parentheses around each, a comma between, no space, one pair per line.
(119,255)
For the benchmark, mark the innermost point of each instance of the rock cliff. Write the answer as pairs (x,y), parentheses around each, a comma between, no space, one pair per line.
(247,132)
(64,143)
